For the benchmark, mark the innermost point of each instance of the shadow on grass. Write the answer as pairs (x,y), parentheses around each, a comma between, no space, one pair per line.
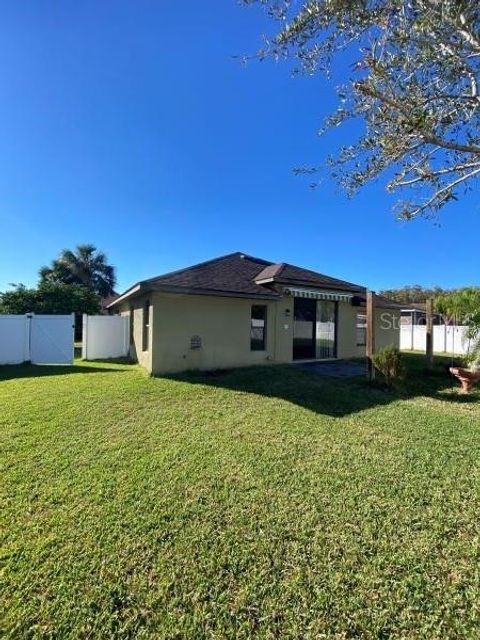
(15,371)
(336,397)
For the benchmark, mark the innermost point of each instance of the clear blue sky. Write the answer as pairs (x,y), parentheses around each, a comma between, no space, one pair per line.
(128,124)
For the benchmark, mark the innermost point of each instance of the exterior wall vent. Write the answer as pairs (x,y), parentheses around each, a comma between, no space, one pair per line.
(195,342)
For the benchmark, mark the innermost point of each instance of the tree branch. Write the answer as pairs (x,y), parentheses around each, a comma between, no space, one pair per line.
(427,136)
(468,37)
(437,195)
(435,174)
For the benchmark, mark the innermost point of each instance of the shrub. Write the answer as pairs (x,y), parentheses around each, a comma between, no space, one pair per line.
(390,364)
(473,358)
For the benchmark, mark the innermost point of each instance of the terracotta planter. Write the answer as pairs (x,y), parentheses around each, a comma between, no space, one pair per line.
(467,378)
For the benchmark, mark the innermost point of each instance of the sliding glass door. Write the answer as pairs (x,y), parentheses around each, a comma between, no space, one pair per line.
(326,330)
(314,329)
(305,314)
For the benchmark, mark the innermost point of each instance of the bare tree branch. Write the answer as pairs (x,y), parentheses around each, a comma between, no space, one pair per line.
(422,174)
(441,193)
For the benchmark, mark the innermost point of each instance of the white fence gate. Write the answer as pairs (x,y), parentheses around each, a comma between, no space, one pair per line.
(41,339)
(52,339)
(105,337)
(446,339)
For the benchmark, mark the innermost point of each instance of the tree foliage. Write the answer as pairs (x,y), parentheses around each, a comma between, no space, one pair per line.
(414,84)
(464,304)
(412,293)
(50,297)
(85,266)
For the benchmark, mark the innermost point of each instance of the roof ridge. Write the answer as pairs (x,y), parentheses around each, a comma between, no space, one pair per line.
(324,275)
(255,259)
(282,266)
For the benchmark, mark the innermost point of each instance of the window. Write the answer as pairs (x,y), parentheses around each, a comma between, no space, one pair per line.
(146,326)
(361,329)
(258,325)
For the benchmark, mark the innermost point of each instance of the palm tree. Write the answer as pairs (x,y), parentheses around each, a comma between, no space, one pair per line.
(85,265)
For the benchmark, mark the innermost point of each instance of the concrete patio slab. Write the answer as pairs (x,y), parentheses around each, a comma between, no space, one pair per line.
(336,369)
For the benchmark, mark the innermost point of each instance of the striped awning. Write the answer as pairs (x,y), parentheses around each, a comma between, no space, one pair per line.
(319,295)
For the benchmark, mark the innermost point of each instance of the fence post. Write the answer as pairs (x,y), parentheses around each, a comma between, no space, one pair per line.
(412,332)
(84,336)
(28,337)
(73,341)
(430,334)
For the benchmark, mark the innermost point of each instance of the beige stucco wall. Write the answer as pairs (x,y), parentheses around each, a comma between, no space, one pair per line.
(346,332)
(284,324)
(387,332)
(223,324)
(136,348)
(387,328)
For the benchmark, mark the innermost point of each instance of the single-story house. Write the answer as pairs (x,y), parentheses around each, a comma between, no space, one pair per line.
(237,310)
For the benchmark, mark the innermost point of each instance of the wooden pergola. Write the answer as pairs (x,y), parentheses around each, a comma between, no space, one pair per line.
(371,305)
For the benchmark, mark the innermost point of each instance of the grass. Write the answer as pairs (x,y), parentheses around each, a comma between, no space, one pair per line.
(260,503)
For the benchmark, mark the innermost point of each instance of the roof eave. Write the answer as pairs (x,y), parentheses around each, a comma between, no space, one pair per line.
(212,292)
(380,304)
(148,287)
(306,283)
(136,289)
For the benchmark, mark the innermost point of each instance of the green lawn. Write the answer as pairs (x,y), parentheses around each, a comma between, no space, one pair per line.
(261,503)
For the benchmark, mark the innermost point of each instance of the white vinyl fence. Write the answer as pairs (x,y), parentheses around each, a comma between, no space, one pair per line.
(446,339)
(105,337)
(14,339)
(40,339)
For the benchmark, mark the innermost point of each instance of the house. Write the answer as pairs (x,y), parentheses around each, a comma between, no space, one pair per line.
(415,313)
(106,303)
(237,310)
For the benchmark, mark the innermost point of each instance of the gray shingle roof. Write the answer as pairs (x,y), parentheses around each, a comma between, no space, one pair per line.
(288,274)
(241,274)
(234,273)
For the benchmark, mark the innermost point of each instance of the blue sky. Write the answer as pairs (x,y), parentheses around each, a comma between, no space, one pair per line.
(130,125)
